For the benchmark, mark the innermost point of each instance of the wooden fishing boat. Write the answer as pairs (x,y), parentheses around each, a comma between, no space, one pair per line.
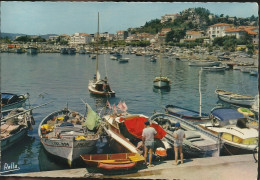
(234,98)
(68,134)
(233,130)
(130,127)
(198,142)
(118,161)
(97,86)
(14,126)
(184,113)
(11,101)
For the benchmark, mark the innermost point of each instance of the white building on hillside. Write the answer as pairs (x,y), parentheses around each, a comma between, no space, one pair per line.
(217,30)
(80,38)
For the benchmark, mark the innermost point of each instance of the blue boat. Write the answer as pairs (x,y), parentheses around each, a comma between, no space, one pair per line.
(11,101)
(185,114)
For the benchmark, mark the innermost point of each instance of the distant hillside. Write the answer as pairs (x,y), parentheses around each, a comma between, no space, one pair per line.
(194,19)
(12,36)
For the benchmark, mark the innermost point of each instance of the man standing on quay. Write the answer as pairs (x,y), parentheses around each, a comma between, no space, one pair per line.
(178,135)
(148,142)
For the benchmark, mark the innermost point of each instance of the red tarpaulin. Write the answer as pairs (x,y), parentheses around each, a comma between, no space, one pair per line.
(136,125)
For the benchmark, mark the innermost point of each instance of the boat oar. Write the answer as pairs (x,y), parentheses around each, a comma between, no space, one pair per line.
(5,119)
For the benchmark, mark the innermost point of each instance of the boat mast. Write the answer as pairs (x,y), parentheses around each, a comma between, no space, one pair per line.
(200,71)
(160,58)
(97,48)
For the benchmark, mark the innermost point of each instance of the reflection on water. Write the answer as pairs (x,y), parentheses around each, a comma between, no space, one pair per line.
(20,154)
(64,79)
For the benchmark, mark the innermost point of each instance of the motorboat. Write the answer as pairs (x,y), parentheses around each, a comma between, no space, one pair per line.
(233,129)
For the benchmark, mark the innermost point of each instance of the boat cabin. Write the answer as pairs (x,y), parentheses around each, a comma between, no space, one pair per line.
(225,116)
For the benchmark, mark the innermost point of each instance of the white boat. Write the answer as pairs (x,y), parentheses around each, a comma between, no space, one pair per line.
(253,72)
(14,126)
(214,68)
(233,130)
(113,57)
(97,86)
(198,142)
(204,63)
(234,98)
(161,81)
(123,60)
(68,134)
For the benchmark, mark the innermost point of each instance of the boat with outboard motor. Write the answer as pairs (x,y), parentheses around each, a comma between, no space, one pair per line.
(198,142)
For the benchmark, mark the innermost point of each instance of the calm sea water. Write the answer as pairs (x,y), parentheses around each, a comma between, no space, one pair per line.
(64,79)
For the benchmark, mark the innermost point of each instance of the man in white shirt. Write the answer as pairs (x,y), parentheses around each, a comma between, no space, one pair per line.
(148,141)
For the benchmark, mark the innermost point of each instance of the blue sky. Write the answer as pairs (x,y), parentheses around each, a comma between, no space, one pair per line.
(38,18)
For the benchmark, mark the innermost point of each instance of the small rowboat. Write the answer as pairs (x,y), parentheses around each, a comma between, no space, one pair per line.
(118,161)
(235,98)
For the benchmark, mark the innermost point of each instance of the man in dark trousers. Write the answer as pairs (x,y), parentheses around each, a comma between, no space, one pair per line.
(178,136)
(148,142)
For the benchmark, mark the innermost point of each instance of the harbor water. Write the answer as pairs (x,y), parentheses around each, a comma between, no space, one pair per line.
(64,80)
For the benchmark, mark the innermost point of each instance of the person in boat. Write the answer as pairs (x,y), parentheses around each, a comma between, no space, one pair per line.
(178,135)
(148,141)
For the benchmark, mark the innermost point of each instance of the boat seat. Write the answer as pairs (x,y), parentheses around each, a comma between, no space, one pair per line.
(191,135)
(204,143)
(196,139)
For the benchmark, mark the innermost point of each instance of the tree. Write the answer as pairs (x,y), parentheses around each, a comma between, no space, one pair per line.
(6,40)
(24,39)
(250,49)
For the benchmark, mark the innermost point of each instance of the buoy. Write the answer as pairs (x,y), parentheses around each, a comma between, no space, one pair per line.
(245,112)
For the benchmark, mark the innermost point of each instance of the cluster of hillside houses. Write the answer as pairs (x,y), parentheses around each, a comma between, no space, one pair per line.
(216,30)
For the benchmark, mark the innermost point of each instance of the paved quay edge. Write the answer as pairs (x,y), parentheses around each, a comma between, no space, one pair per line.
(226,167)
